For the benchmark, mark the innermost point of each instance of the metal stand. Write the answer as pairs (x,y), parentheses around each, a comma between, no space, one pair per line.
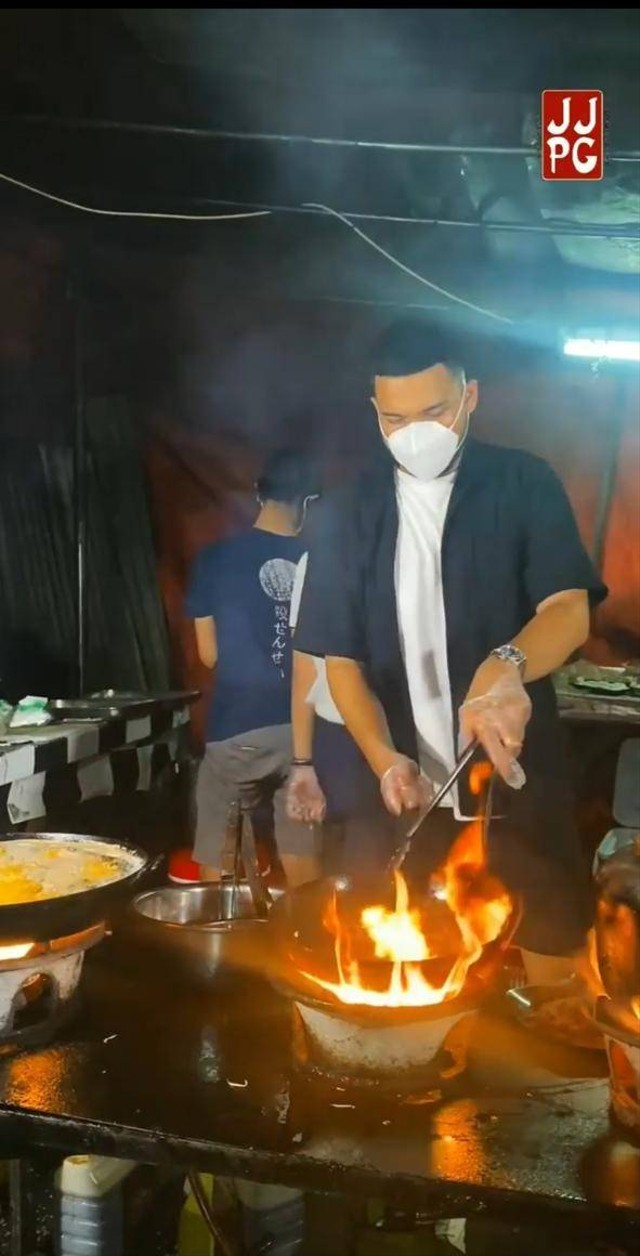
(22,1204)
(80,486)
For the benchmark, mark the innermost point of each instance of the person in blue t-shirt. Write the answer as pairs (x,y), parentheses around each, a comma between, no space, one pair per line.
(239,597)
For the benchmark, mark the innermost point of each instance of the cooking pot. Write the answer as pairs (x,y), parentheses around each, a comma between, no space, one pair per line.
(199,929)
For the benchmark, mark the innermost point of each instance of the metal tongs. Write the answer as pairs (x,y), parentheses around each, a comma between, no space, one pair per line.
(245,852)
(402,851)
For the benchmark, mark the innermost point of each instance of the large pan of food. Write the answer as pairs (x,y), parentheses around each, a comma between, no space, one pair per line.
(56,884)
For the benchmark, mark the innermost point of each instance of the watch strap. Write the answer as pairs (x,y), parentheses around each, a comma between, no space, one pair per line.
(511,654)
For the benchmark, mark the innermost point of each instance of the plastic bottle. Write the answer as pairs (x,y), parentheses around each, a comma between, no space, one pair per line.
(90,1212)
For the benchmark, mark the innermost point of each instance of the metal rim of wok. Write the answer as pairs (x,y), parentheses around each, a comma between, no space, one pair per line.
(44,919)
(288,976)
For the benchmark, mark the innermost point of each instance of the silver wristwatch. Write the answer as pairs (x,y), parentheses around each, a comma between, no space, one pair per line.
(511,654)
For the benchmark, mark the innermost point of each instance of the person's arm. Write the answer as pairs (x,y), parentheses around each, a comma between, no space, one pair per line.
(302,712)
(303,675)
(331,626)
(402,784)
(200,604)
(559,628)
(305,798)
(206,641)
(559,580)
(362,713)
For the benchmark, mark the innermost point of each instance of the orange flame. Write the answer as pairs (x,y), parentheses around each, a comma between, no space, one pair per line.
(478,902)
(588,967)
(635,1007)
(479,775)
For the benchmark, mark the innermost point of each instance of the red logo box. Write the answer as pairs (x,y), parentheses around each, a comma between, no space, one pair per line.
(572,135)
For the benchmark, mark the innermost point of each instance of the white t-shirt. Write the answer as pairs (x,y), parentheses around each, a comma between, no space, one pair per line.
(422,509)
(319,695)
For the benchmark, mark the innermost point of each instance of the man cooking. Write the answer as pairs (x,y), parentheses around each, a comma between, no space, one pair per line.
(446,587)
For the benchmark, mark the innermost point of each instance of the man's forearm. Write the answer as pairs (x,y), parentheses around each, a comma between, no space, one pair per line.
(302,714)
(361,712)
(554,634)
(560,627)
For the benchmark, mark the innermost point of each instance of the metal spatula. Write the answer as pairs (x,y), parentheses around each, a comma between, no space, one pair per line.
(402,851)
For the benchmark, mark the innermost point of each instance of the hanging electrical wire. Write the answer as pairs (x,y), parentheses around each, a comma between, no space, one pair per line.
(428,283)
(262,213)
(131,213)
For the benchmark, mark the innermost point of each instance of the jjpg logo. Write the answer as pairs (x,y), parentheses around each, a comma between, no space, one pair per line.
(572,135)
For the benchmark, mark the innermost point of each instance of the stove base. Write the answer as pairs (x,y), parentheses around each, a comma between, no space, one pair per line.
(426,1078)
(38,989)
(43,1031)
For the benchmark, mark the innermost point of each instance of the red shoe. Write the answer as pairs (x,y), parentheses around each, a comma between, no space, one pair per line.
(183,869)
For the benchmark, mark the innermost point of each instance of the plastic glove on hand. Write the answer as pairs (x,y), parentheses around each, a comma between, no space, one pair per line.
(499,719)
(305,799)
(404,787)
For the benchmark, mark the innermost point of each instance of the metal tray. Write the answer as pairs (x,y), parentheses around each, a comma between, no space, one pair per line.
(111,705)
(171,697)
(94,709)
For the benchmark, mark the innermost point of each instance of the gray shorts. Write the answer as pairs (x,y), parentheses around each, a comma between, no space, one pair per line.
(250,770)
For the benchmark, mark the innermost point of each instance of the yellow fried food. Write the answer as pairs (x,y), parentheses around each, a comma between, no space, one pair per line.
(97,868)
(17,888)
(52,873)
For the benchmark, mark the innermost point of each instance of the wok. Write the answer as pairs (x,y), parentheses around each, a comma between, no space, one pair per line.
(43,919)
(302,943)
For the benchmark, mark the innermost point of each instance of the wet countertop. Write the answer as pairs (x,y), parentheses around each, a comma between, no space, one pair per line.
(152,1070)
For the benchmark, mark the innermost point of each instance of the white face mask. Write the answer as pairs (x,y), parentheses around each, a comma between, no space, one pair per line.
(425,449)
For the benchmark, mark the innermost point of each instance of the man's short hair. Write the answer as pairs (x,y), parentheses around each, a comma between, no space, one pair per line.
(413,344)
(288,476)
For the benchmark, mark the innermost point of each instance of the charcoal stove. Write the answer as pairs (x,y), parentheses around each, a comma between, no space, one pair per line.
(58,891)
(39,984)
(380,975)
(395,1050)
(393,1023)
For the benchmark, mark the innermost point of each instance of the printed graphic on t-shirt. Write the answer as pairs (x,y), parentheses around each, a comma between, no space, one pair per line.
(277,576)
